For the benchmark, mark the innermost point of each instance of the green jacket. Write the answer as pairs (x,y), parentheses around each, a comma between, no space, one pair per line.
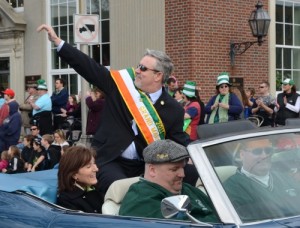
(255,201)
(143,199)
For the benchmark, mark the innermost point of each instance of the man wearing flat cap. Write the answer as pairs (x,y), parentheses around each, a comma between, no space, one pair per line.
(164,172)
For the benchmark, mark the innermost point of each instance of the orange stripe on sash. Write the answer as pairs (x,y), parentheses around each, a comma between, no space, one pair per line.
(135,112)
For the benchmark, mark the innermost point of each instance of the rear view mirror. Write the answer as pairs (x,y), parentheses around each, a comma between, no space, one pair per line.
(172,206)
(177,207)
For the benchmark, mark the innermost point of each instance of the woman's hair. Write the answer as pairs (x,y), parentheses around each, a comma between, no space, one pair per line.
(71,161)
(293,89)
(252,91)
(95,89)
(179,90)
(64,148)
(238,93)
(15,151)
(61,134)
(245,100)
(4,155)
(74,98)
(29,139)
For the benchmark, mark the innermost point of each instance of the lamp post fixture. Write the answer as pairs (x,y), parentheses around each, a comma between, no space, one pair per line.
(259,22)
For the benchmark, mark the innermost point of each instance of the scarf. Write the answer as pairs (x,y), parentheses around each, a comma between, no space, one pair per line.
(219,115)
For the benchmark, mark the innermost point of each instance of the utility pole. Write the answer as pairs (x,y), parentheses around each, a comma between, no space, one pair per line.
(84,85)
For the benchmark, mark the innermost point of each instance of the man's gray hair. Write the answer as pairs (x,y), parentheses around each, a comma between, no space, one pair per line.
(163,64)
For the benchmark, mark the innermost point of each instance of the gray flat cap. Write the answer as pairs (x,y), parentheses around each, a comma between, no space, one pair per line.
(164,151)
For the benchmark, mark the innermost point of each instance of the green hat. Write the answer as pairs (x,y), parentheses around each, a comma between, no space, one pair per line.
(164,151)
(41,85)
(288,81)
(223,78)
(189,89)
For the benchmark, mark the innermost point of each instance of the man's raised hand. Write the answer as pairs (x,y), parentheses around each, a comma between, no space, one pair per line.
(52,36)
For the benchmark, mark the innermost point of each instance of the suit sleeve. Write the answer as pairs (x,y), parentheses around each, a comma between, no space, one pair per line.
(88,68)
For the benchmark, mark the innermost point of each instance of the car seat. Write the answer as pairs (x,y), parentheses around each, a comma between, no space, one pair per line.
(115,194)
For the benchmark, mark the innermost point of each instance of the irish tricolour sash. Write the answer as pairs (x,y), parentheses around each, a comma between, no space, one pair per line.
(139,105)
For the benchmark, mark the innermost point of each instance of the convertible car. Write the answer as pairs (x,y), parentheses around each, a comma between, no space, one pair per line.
(250,174)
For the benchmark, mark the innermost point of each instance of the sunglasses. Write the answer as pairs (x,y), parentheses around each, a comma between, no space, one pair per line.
(261,87)
(144,68)
(223,86)
(33,129)
(259,151)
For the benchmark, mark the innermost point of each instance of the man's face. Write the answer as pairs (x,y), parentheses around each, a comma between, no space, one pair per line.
(256,156)
(172,86)
(31,90)
(6,97)
(58,84)
(169,175)
(145,80)
(34,131)
(263,89)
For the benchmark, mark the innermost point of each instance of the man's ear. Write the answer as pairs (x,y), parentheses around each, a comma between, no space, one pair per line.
(159,77)
(152,170)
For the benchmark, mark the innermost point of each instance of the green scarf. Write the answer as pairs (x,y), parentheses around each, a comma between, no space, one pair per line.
(219,114)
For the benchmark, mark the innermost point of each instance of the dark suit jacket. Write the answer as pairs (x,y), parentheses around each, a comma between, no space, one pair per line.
(115,133)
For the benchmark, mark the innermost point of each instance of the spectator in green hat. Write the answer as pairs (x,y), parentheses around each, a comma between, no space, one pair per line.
(192,109)
(288,102)
(225,106)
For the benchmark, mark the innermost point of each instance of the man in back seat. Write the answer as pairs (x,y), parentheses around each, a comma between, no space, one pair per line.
(164,172)
(256,191)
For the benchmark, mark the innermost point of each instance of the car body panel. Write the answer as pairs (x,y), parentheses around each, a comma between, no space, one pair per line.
(28,199)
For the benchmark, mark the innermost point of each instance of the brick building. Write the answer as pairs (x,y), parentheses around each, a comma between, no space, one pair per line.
(195,33)
(198,36)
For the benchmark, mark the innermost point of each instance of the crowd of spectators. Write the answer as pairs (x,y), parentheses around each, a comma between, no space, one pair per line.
(121,139)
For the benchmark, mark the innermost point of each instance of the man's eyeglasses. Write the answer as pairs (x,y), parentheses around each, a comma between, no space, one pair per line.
(33,129)
(223,86)
(261,87)
(259,151)
(144,68)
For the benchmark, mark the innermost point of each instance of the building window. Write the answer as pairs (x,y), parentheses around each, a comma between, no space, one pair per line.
(62,12)
(287,42)
(101,51)
(16,3)
(4,73)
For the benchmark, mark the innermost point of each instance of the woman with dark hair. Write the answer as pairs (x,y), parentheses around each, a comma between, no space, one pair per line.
(178,96)
(288,102)
(225,106)
(95,102)
(248,100)
(77,180)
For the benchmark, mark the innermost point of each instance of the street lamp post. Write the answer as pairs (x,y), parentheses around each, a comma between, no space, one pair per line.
(259,22)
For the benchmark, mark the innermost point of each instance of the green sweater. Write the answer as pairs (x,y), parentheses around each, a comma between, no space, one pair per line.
(255,201)
(143,199)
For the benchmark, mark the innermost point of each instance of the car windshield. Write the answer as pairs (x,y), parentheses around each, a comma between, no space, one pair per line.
(261,175)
